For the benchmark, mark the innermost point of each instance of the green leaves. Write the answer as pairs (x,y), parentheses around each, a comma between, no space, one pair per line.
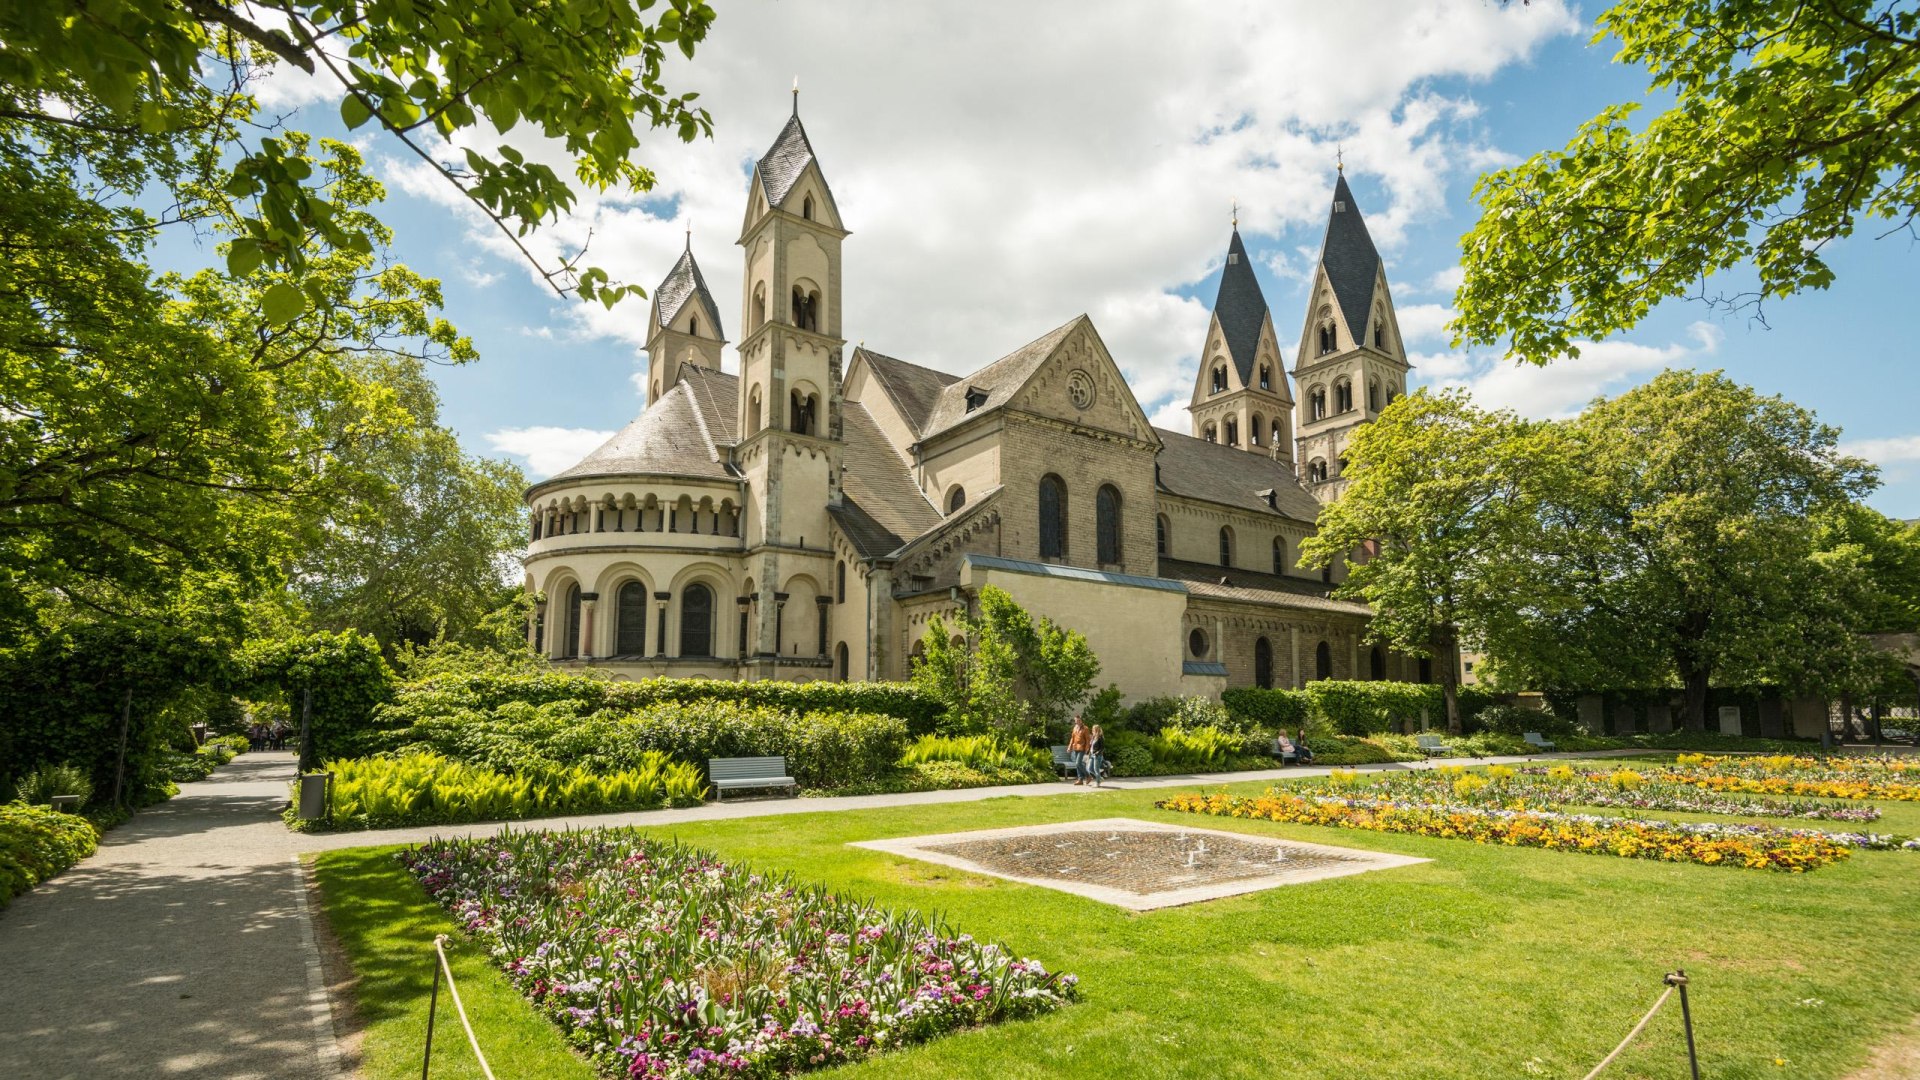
(282,303)
(1787,121)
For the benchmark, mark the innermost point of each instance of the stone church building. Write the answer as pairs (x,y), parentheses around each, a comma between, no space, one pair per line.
(806,517)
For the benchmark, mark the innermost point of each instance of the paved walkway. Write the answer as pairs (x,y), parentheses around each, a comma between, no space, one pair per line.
(184,947)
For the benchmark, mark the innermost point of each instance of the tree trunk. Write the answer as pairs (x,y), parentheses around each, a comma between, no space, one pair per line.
(1448,661)
(1695,705)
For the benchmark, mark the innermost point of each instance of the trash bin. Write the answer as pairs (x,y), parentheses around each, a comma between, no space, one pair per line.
(313,795)
(199,734)
(66,804)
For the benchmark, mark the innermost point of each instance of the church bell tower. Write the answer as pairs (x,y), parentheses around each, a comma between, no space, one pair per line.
(683,326)
(1240,398)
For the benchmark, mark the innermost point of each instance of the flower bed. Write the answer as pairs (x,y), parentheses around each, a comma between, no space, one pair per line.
(1555,788)
(659,961)
(36,843)
(1755,846)
(425,788)
(1837,784)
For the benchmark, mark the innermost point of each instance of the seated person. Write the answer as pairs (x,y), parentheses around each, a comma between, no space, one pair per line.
(1285,749)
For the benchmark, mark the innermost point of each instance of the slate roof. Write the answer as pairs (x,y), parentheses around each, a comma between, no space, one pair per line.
(671,438)
(999,380)
(684,283)
(1350,259)
(1217,473)
(1251,586)
(780,167)
(716,395)
(913,389)
(1241,308)
(882,507)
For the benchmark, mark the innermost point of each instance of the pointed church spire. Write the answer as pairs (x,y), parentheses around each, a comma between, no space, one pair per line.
(684,285)
(780,167)
(1240,307)
(1350,259)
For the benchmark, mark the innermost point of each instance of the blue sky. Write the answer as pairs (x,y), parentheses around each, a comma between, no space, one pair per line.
(1003,174)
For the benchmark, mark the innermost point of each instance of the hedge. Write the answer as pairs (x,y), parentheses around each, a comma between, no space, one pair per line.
(427,789)
(825,749)
(37,843)
(588,694)
(1353,707)
(349,679)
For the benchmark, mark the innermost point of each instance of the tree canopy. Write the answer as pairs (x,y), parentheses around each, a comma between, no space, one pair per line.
(1793,124)
(1003,670)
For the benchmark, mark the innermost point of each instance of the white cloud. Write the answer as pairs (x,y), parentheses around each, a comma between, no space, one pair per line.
(1087,167)
(1423,322)
(547,450)
(1446,281)
(1899,450)
(475,273)
(1564,387)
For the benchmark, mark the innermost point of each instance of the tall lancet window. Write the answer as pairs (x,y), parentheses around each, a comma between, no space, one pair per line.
(1107,513)
(630,620)
(571,645)
(1053,517)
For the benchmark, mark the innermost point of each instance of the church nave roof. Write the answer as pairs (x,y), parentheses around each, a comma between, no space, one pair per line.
(1215,472)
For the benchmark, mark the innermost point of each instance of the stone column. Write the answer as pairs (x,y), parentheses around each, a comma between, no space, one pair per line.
(1293,632)
(745,604)
(588,601)
(660,599)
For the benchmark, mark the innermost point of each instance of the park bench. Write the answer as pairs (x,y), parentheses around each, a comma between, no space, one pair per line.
(1288,751)
(1431,745)
(737,773)
(1538,741)
(1062,762)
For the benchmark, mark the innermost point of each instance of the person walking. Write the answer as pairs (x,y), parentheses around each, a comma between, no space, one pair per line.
(1077,750)
(1096,751)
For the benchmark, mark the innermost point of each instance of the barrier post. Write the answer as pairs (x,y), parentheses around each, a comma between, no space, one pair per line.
(1679,979)
(433,1003)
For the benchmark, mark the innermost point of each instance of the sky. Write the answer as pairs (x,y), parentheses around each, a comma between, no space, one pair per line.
(1005,167)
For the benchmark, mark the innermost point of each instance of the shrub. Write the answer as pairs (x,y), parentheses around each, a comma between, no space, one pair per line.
(234,745)
(1130,758)
(37,843)
(1196,749)
(1149,716)
(985,753)
(1502,719)
(1350,750)
(1371,708)
(347,676)
(1269,710)
(39,787)
(429,789)
(823,749)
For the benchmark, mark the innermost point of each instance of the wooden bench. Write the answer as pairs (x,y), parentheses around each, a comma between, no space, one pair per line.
(1538,741)
(1063,762)
(735,773)
(1431,745)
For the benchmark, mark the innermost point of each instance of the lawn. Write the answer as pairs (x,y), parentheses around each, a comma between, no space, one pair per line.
(1485,962)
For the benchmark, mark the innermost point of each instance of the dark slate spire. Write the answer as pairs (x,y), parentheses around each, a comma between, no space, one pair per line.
(1349,257)
(786,159)
(684,284)
(1241,308)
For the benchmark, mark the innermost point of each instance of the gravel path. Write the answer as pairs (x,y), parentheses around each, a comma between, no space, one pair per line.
(184,947)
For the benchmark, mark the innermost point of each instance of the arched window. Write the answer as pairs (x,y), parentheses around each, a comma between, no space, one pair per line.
(571,645)
(1377,664)
(1210,434)
(840,583)
(1160,530)
(630,620)
(1226,546)
(918,654)
(956,498)
(1266,377)
(1053,517)
(536,524)
(1107,523)
(802,407)
(1426,669)
(1317,403)
(1276,432)
(1323,661)
(1219,378)
(1342,396)
(760,305)
(1263,664)
(1373,395)
(1317,471)
(693,325)
(1233,432)
(1197,642)
(1379,336)
(806,308)
(753,411)
(1254,429)
(1326,338)
(696,621)
(1279,554)
(806,208)
(840,662)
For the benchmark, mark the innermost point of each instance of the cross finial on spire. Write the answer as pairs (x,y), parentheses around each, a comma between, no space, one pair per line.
(1236,215)
(1339,159)
(689,236)
(796,95)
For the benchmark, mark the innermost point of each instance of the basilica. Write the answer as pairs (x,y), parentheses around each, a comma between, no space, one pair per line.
(807,516)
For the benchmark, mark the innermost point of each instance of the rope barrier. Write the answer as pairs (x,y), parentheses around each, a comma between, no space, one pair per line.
(439,948)
(1631,1035)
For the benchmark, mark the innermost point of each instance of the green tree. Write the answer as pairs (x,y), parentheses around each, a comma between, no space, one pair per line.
(1792,124)
(167,80)
(1004,670)
(427,552)
(1440,498)
(1693,534)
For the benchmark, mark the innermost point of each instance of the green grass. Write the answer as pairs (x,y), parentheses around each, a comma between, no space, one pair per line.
(1485,962)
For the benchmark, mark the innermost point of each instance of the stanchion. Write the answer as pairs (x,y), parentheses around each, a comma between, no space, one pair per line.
(433,1005)
(1679,979)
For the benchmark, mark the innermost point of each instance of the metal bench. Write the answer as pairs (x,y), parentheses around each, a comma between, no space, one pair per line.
(736,773)
(1431,745)
(1062,761)
(1538,741)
